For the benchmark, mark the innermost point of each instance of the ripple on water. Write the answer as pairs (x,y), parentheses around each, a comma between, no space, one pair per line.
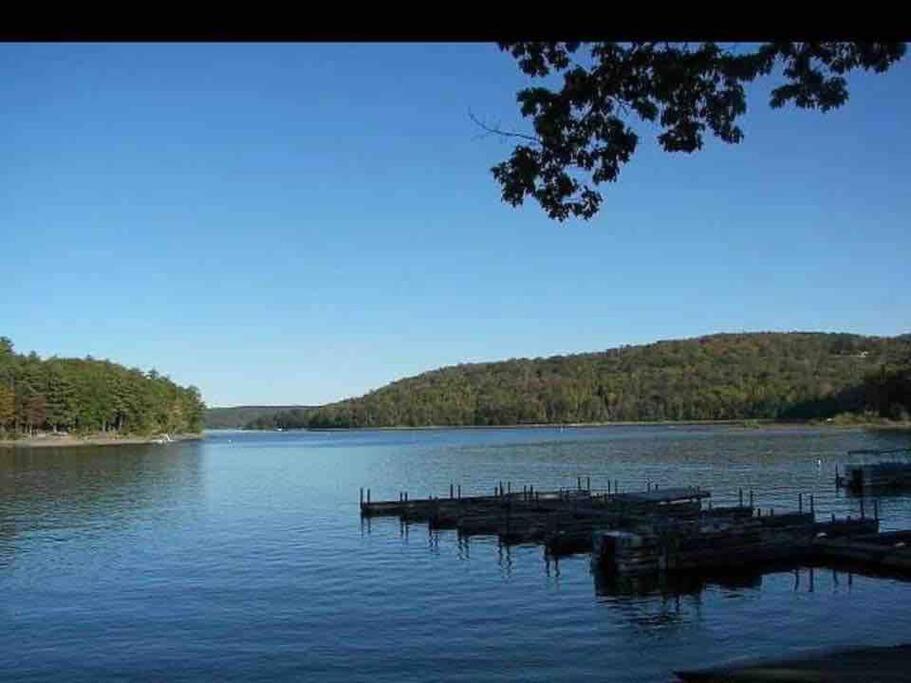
(245,557)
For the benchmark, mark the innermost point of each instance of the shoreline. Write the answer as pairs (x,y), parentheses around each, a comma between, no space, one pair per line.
(741,423)
(842,664)
(70,441)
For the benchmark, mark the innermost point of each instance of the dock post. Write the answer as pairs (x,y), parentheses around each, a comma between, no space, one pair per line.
(771,512)
(588,484)
(799,502)
(362,495)
(451,492)
(836,475)
(460,492)
(740,497)
(616,490)
(812,506)
(508,487)
(751,497)
(862,514)
(406,496)
(578,483)
(833,516)
(368,496)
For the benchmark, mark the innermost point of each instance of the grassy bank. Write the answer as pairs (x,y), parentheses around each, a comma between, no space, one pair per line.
(101,439)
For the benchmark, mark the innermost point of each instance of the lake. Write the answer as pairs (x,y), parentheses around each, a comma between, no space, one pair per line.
(243,556)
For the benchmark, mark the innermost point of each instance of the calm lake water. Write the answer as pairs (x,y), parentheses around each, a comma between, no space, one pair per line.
(243,556)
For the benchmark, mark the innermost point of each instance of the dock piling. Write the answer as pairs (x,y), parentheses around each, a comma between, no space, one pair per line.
(751,497)
(740,497)
(812,505)
(362,495)
(799,502)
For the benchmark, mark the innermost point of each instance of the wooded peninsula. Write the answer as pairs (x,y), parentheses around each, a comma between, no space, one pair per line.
(768,375)
(90,397)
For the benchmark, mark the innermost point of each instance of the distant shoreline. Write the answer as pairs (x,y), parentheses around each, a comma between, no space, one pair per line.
(69,441)
(743,423)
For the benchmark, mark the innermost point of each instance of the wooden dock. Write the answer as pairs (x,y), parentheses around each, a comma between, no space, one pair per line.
(735,543)
(562,520)
(875,477)
(881,476)
(655,531)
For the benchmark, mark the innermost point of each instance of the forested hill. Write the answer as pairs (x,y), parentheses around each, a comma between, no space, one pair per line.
(723,376)
(90,396)
(236,417)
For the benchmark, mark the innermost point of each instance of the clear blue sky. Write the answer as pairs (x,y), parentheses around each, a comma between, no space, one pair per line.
(302,223)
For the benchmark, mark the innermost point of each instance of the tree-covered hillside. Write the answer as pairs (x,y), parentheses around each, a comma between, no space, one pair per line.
(236,417)
(90,396)
(723,376)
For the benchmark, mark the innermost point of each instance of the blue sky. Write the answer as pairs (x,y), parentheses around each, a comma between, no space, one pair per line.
(302,223)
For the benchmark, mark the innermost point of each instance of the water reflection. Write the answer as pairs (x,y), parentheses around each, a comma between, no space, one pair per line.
(52,493)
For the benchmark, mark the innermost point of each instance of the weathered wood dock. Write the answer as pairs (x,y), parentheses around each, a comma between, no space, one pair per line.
(881,476)
(730,544)
(655,531)
(562,520)
(875,477)
(889,552)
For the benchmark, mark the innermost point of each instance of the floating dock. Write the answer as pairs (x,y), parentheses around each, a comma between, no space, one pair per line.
(875,477)
(656,531)
(881,476)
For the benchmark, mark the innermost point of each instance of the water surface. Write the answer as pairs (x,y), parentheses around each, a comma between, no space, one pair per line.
(243,556)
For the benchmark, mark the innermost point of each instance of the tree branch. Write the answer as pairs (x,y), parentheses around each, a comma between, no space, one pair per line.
(491,130)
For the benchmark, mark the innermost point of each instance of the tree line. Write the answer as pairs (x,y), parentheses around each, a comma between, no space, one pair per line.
(718,377)
(90,396)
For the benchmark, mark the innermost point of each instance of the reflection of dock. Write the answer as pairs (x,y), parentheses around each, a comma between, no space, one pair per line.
(656,531)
